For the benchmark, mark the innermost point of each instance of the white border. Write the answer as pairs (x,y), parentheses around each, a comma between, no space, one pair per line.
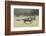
(27,28)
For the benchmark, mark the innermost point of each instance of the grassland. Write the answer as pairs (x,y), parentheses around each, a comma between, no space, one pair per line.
(34,23)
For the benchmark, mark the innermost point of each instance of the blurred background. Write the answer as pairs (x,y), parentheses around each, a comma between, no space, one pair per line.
(2,17)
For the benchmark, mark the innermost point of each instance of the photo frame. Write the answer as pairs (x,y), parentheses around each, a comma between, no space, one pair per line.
(11,9)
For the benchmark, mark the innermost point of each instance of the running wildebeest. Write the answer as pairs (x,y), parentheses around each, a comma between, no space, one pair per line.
(27,19)
(18,19)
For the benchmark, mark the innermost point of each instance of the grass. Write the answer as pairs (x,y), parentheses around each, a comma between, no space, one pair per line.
(34,23)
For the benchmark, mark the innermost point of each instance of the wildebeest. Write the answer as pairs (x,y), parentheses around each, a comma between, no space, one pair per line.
(18,19)
(24,19)
(27,19)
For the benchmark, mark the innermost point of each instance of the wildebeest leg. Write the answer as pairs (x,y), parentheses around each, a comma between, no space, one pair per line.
(24,21)
(30,22)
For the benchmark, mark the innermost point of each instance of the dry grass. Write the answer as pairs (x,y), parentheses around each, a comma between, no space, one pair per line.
(34,23)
